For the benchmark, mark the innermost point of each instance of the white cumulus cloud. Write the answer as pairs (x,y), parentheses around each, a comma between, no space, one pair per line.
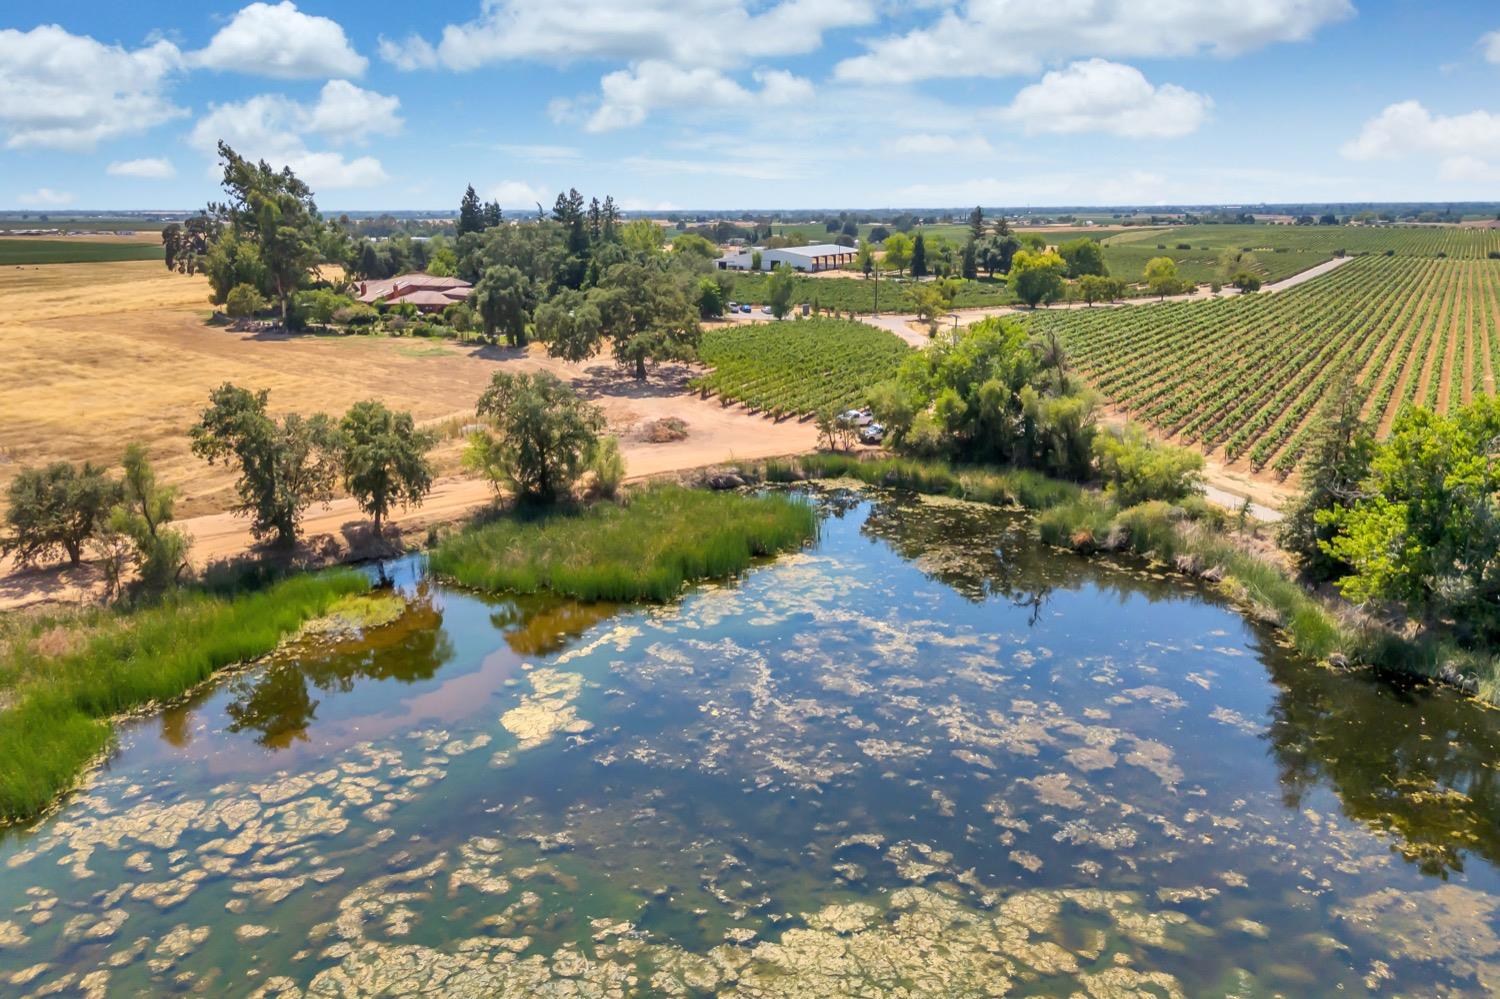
(1009,37)
(685,32)
(627,96)
(927,144)
(517,194)
(1491,45)
(46,197)
(276,128)
(278,40)
(149,168)
(1467,146)
(64,91)
(1097,95)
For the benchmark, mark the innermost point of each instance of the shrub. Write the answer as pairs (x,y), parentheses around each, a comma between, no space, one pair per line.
(1137,469)
(243,301)
(319,305)
(357,314)
(608,466)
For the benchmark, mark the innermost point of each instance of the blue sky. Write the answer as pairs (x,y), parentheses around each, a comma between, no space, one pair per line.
(755,103)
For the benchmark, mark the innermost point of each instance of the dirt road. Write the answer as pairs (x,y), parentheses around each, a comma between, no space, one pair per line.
(901,323)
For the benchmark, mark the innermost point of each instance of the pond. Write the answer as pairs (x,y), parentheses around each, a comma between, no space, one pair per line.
(925,757)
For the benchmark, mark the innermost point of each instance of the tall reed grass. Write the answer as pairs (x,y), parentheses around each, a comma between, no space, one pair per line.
(60,702)
(647,548)
(999,486)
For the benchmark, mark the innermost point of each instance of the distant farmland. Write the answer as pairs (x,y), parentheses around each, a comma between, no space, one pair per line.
(1246,377)
(30,250)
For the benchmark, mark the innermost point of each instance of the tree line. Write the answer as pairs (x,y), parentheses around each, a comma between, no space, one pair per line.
(579,279)
(283,466)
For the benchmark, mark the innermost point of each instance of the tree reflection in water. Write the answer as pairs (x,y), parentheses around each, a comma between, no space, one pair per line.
(278,702)
(1415,762)
(982,554)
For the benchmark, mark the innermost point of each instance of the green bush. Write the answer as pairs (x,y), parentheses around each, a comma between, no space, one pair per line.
(243,301)
(1136,469)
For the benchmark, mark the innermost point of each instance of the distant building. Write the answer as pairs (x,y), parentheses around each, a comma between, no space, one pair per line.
(808,259)
(427,293)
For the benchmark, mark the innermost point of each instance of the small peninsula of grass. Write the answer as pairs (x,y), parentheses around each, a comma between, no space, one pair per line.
(645,548)
(62,680)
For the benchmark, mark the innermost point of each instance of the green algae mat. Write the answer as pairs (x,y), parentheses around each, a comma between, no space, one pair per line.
(923,757)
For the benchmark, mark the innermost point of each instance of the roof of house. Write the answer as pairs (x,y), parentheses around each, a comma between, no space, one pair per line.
(401,286)
(423,296)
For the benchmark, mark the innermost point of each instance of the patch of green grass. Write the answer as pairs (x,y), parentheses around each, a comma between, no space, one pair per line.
(66,678)
(645,548)
(29,250)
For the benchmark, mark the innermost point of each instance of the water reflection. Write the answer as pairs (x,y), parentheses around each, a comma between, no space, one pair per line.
(277,703)
(927,756)
(539,626)
(1417,763)
(979,556)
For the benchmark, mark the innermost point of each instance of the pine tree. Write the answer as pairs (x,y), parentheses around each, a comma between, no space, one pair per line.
(976,224)
(970,261)
(610,223)
(596,220)
(470,214)
(493,216)
(919,256)
(1337,463)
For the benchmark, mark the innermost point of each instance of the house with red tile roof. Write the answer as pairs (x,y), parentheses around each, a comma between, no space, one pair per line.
(426,292)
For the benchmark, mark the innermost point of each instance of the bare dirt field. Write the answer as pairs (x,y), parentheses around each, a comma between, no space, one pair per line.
(93,356)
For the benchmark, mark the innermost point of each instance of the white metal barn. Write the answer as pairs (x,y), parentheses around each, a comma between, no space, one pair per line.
(808,259)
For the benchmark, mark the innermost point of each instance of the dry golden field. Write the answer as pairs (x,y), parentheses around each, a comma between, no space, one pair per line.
(95,355)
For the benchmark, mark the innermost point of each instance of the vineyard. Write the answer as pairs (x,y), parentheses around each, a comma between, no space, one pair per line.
(800,366)
(1246,376)
(858,294)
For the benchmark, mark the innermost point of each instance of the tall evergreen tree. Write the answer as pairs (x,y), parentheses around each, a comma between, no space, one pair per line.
(470,214)
(493,216)
(970,265)
(596,220)
(609,227)
(919,256)
(1337,464)
(976,224)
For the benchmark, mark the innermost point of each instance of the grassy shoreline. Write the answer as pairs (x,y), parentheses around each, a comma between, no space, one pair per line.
(1192,538)
(65,681)
(647,548)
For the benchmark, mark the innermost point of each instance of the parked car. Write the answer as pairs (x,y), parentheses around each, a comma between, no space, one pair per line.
(856,417)
(765,309)
(872,434)
(734,306)
(746,309)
